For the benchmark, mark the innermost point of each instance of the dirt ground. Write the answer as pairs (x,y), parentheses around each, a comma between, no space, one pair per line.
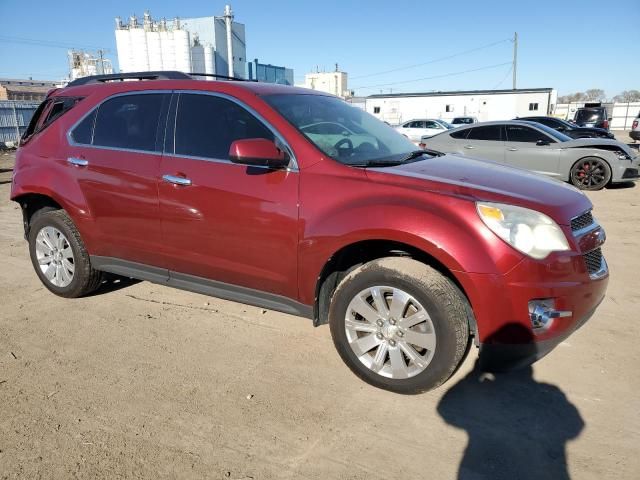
(143,381)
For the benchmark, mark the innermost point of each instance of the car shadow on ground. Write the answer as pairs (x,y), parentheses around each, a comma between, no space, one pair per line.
(112,283)
(621,186)
(517,427)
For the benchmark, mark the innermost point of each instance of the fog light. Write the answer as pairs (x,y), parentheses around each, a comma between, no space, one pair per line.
(542,312)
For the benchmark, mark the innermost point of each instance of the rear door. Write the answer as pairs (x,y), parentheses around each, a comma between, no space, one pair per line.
(115,154)
(223,221)
(485,141)
(522,150)
(413,130)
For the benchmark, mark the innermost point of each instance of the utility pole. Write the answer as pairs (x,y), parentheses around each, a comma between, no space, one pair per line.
(515,59)
(101,53)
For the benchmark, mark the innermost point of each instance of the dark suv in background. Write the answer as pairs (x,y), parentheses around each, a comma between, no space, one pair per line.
(592,117)
(570,129)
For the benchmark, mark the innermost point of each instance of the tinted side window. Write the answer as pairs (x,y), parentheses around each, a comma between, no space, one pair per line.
(60,106)
(460,133)
(83,133)
(129,121)
(207,125)
(488,132)
(517,133)
(35,119)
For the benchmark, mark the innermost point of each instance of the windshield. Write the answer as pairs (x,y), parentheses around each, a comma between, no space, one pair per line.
(588,115)
(446,125)
(344,133)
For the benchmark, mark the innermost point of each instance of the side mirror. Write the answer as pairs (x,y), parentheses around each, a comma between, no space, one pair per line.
(541,142)
(258,152)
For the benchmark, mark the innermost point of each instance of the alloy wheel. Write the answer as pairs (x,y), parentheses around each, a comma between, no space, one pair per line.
(55,256)
(590,173)
(390,332)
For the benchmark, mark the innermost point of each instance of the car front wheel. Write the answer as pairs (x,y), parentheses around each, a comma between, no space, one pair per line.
(590,173)
(400,325)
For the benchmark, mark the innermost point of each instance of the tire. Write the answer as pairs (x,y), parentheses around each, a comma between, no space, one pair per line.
(590,173)
(443,336)
(55,228)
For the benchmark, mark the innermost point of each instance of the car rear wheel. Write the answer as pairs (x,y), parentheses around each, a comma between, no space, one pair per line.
(590,173)
(400,325)
(59,256)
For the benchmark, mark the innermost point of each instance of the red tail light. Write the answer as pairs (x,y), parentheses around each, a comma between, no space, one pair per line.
(424,145)
(605,125)
(635,124)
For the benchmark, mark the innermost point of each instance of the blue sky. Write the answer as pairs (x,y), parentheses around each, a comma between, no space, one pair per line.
(570,46)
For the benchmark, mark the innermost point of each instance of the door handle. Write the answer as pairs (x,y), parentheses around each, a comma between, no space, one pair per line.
(78,162)
(469,147)
(512,149)
(176,180)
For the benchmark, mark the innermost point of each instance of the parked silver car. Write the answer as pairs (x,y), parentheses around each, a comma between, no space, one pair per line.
(588,163)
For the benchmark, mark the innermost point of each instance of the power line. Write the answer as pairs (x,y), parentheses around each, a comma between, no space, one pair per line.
(436,76)
(45,43)
(506,75)
(441,59)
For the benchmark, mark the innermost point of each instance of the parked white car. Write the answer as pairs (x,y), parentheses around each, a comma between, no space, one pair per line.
(414,130)
(635,129)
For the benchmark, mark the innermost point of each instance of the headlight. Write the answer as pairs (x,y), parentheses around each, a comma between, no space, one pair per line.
(528,231)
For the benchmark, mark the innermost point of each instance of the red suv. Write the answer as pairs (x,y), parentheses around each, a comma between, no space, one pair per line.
(294,200)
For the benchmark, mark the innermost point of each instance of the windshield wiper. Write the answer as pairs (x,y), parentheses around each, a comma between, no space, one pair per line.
(392,163)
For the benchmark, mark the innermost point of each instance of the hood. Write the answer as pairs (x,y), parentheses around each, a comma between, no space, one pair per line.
(601,143)
(482,180)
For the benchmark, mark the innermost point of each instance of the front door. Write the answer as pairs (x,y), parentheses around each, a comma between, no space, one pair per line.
(223,221)
(115,154)
(485,141)
(523,150)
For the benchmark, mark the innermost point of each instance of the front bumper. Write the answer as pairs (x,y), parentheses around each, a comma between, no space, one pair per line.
(501,357)
(569,281)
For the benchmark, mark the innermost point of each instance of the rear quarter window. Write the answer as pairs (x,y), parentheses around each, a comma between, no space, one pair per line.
(460,134)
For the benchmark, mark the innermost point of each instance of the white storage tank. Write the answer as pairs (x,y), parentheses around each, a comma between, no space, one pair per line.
(154,47)
(123,47)
(182,48)
(168,50)
(197,59)
(139,48)
(209,60)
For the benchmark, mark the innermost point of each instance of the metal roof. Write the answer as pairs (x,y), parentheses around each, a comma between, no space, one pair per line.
(462,92)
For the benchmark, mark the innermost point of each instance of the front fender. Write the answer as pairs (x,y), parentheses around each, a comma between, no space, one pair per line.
(446,228)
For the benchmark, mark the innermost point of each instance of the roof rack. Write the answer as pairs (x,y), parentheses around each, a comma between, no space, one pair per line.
(223,77)
(168,75)
(158,75)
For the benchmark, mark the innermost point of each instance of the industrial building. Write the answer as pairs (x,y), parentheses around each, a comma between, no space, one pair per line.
(32,90)
(202,45)
(270,73)
(334,82)
(83,64)
(485,105)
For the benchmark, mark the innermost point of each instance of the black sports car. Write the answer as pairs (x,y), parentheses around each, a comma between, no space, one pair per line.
(570,129)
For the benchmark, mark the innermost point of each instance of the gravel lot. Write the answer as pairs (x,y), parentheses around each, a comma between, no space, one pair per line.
(143,381)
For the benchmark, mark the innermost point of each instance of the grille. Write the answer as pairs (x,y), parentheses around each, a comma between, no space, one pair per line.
(593,259)
(581,221)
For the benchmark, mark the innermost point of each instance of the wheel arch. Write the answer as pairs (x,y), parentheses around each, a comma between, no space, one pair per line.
(357,253)
(30,203)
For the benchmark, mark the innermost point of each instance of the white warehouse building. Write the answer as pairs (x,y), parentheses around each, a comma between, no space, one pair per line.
(485,105)
(200,45)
